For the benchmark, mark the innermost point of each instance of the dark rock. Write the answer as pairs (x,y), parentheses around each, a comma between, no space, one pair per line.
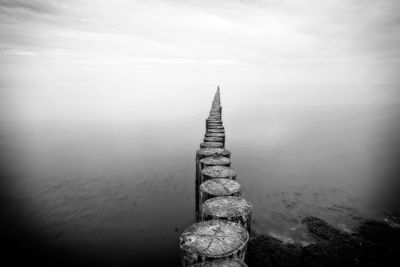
(269,251)
(320,229)
(335,252)
(370,245)
(374,243)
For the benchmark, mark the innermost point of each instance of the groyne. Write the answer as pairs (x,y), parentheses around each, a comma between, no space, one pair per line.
(221,234)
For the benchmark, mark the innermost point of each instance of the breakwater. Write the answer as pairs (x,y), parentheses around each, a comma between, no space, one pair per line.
(221,234)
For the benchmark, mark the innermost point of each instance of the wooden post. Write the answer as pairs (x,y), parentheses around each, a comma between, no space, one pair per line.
(212,122)
(211,144)
(213,139)
(215,130)
(216,135)
(218,187)
(200,154)
(213,172)
(230,208)
(215,115)
(218,163)
(209,152)
(222,263)
(216,127)
(215,161)
(211,240)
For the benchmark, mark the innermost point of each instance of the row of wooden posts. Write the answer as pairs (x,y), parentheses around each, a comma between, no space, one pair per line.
(220,235)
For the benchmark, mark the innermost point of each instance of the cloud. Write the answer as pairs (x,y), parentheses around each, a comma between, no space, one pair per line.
(16,52)
(32,6)
(249,37)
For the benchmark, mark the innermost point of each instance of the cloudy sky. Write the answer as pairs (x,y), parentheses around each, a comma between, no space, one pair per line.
(93,44)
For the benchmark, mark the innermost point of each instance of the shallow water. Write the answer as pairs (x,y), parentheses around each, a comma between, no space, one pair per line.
(123,191)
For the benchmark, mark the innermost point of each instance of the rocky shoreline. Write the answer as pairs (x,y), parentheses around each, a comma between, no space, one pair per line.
(373,243)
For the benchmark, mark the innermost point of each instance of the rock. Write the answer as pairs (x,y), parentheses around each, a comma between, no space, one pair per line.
(374,243)
(269,251)
(320,229)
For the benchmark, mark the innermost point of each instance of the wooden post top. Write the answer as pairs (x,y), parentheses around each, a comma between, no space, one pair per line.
(216,161)
(215,134)
(226,207)
(220,187)
(216,127)
(212,122)
(216,131)
(221,263)
(211,144)
(219,172)
(213,139)
(208,152)
(214,238)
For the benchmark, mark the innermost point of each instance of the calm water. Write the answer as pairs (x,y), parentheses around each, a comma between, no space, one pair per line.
(123,191)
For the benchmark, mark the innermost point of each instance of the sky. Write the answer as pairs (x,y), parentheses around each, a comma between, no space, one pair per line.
(54,53)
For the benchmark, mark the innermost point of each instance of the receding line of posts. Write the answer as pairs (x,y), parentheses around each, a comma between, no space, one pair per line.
(221,233)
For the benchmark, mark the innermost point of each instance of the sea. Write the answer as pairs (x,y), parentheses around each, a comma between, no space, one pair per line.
(120,190)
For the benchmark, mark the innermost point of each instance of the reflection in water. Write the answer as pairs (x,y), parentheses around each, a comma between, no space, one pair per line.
(122,192)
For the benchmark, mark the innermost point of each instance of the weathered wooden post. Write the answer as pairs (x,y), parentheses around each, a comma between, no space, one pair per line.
(209,152)
(230,208)
(216,105)
(213,166)
(222,263)
(218,187)
(200,154)
(214,116)
(214,130)
(222,135)
(212,125)
(213,172)
(212,145)
(213,122)
(213,139)
(215,135)
(215,161)
(216,127)
(211,240)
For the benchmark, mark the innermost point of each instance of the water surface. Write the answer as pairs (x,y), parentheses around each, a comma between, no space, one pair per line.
(122,191)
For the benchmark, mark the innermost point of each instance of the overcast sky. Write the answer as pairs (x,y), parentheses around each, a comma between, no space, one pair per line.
(98,44)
